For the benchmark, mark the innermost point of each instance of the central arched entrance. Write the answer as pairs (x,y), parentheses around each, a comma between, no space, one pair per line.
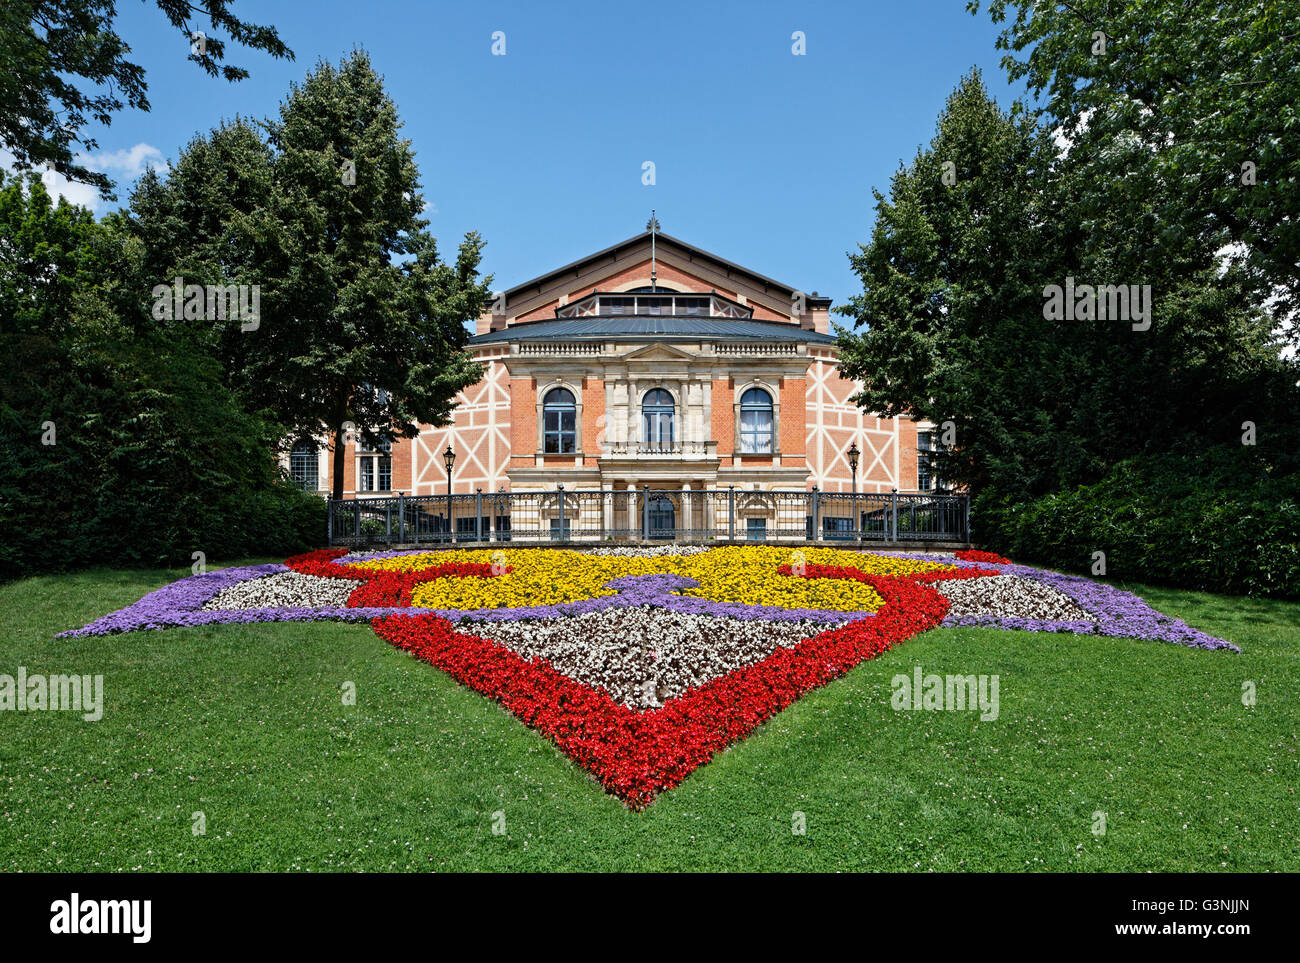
(663,516)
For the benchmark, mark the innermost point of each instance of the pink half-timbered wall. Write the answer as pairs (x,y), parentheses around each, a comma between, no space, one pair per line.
(479,434)
(834,422)
(481,437)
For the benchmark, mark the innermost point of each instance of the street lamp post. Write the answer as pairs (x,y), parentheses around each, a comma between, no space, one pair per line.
(853,470)
(449,459)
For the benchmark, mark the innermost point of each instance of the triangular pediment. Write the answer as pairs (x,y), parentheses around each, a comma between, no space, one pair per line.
(698,262)
(659,352)
(682,268)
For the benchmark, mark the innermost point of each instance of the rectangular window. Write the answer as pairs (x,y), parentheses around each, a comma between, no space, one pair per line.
(658,425)
(559,431)
(755,432)
(756,529)
(303,466)
(375,466)
(501,525)
(559,529)
(924,445)
(375,473)
(837,527)
(467,528)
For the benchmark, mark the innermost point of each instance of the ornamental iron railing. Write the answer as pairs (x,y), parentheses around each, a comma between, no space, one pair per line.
(649,515)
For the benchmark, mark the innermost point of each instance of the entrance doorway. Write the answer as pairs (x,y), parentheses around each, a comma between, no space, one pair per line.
(663,516)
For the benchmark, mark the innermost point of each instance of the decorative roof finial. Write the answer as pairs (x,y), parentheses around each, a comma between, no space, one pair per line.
(652,226)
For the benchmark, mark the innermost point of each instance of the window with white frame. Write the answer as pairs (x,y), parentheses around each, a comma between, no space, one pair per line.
(925,480)
(657,417)
(375,468)
(304,465)
(559,422)
(756,422)
(654,302)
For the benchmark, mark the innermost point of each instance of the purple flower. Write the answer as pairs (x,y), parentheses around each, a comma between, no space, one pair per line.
(1116,613)
(1112,611)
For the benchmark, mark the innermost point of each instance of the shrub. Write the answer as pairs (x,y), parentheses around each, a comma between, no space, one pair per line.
(152,461)
(1225,520)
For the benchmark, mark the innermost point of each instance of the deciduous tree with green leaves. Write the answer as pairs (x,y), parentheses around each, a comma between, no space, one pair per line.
(362,323)
(63,65)
(951,320)
(1209,89)
(111,436)
(952,278)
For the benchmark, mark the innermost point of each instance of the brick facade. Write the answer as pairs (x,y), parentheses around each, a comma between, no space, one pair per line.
(496,427)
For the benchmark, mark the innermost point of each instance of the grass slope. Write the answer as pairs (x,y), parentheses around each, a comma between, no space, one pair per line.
(247,725)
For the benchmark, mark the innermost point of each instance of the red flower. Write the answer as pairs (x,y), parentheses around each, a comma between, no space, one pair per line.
(975,555)
(853,574)
(380,589)
(637,755)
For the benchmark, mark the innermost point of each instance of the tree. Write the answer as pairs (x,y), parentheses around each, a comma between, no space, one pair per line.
(362,324)
(957,326)
(1211,90)
(46,46)
(951,285)
(118,443)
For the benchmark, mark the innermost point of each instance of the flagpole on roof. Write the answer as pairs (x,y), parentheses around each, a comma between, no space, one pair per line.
(652,226)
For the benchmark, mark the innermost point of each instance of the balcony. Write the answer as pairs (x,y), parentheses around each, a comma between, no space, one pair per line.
(680,451)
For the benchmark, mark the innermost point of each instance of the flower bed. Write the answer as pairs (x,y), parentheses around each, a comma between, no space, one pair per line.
(734,574)
(645,655)
(640,667)
(637,755)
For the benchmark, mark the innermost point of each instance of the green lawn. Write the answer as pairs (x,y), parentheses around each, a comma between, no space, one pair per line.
(246,725)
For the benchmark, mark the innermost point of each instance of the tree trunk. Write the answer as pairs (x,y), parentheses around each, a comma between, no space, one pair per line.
(340,447)
(336,473)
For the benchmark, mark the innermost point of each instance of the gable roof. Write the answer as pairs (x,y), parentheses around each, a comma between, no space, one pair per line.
(692,252)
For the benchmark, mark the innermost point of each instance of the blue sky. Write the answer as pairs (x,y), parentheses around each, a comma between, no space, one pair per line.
(765,158)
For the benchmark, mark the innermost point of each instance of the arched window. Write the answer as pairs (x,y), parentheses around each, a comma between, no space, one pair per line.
(304,464)
(657,418)
(662,516)
(755,422)
(559,422)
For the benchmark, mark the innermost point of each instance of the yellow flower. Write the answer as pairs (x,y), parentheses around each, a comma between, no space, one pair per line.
(739,573)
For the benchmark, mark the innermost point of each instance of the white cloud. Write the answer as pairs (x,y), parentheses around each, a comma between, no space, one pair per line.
(123,166)
(131,162)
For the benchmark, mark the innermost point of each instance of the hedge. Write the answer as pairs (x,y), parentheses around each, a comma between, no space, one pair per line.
(1226,520)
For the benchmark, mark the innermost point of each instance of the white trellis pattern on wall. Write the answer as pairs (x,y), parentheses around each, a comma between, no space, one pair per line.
(480,436)
(835,422)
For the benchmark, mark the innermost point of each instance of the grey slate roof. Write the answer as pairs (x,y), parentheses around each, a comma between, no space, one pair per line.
(661,328)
